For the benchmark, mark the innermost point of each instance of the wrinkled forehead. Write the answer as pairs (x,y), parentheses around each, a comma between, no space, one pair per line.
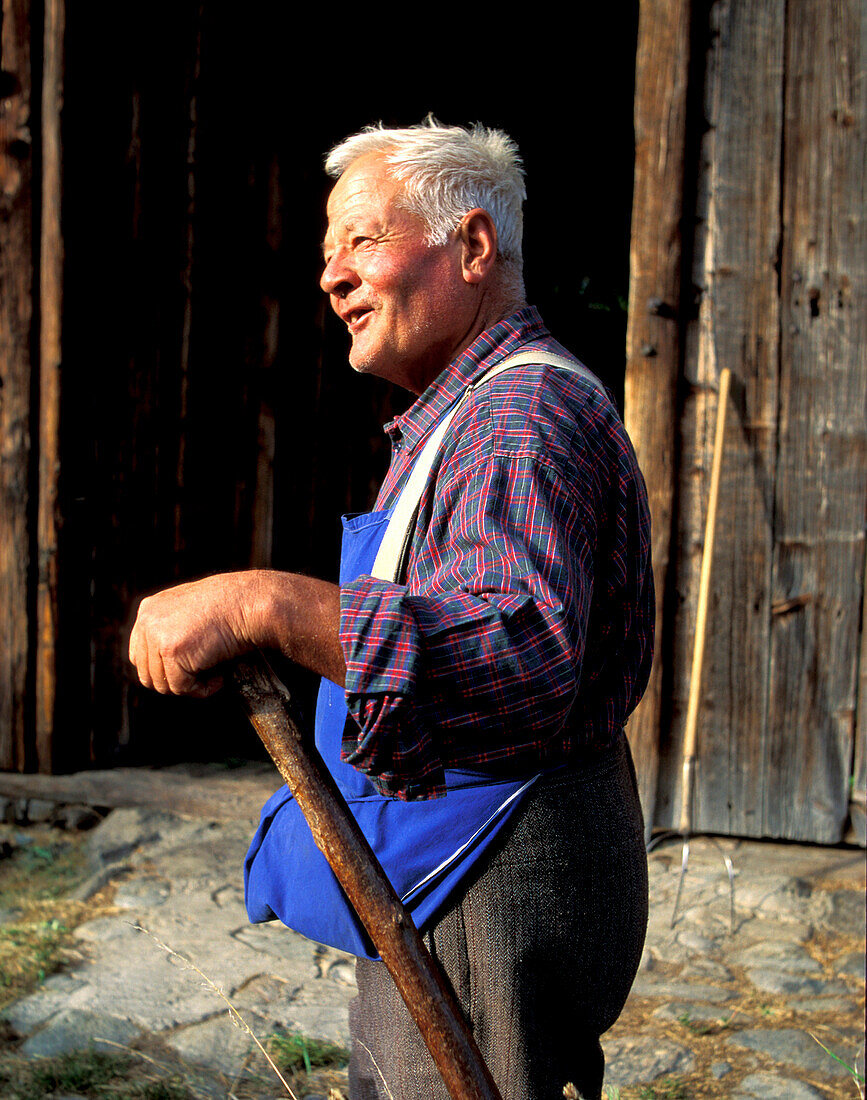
(365,191)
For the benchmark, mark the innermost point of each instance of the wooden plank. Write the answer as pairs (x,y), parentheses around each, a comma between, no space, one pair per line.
(734,270)
(50,312)
(820,499)
(16,317)
(653,338)
(235,797)
(262,527)
(187,278)
(858,790)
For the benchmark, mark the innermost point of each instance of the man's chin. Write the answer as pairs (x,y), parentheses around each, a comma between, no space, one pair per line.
(364,363)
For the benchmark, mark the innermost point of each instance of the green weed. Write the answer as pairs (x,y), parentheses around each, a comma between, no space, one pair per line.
(294,1052)
(856,1076)
(667,1088)
(706,1027)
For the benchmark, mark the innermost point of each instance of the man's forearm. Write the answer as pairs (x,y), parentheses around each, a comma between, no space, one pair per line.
(301,618)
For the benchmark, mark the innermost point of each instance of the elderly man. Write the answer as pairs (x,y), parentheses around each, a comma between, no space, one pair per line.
(491,632)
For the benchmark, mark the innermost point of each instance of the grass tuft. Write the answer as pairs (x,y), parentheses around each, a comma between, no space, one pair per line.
(293,1052)
(85,1073)
(38,918)
(667,1088)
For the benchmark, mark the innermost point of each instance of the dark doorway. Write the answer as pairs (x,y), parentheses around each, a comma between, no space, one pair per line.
(199,357)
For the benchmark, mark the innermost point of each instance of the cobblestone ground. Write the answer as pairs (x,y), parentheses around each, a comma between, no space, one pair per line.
(733,1000)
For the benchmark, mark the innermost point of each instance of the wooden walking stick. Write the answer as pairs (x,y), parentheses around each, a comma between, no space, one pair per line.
(389,925)
(690,736)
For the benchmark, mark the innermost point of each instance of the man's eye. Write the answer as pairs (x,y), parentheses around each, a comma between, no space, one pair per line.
(357,241)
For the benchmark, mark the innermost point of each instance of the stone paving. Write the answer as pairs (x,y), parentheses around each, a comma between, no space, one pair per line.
(726,1003)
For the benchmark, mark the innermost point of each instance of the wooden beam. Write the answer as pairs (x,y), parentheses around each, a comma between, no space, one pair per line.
(16,318)
(734,270)
(50,314)
(653,328)
(821,469)
(235,797)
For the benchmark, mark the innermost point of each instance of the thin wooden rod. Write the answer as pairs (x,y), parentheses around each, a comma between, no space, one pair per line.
(691,731)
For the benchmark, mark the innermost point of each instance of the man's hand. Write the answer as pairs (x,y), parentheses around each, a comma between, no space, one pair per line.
(182,633)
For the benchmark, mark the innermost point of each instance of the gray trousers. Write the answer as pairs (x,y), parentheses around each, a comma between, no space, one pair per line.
(541,950)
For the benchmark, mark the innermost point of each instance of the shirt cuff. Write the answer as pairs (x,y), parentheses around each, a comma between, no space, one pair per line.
(387,740)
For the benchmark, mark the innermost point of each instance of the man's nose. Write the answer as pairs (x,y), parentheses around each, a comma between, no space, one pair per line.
(338,278)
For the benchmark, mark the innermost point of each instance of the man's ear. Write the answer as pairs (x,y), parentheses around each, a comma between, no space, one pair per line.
(479,240)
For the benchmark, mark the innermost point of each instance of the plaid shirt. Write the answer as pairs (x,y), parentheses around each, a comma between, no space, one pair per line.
(524,634)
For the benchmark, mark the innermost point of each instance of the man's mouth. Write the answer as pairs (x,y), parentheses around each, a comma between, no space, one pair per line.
(355,318)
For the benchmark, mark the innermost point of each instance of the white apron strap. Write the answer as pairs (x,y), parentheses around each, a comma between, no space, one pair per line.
(391,549)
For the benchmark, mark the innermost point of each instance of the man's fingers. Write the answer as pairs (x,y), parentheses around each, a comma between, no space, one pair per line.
(180,681)
(156,672)
(207,685)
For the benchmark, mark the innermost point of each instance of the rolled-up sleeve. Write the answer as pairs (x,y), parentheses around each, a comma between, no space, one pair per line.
(477,659)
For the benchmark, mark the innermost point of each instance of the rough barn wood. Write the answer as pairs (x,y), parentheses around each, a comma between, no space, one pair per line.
(761,131)
(169,375)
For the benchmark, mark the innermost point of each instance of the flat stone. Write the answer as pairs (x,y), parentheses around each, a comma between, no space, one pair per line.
(636,1060)
(695,941)
(847,914)
(704,970)
(95,882)
(783,956)
(125,830)
(686,991)
(791,1046)
(29,1013)
(755,893)
(280,942)
(142,893)
(840,1006)
(720,1070)
(670,951)
(320,1021)
(105,928)
(771,980)
(686,1012)
(771,930)
(767,1086)
(228,896)
(217,1044)
(851,965)
(80,1029)
(342,972)
(40,810)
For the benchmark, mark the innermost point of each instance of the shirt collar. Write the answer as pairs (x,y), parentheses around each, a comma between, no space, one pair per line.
(488,349)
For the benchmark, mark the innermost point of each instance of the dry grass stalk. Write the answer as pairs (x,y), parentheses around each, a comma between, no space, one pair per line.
(376,1067)
(234,1015)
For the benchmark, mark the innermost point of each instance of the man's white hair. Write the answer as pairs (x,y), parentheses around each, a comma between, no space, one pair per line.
(446,172)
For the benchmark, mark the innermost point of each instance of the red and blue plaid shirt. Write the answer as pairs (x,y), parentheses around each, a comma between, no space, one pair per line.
(523,636)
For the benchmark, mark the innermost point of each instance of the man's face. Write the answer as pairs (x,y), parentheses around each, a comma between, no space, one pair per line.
(404,302)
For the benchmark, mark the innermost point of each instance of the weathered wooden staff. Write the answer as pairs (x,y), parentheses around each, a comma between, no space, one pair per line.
(690,736)
(419,981)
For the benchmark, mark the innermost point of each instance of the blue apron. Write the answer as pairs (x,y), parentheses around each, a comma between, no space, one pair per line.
(426,848)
